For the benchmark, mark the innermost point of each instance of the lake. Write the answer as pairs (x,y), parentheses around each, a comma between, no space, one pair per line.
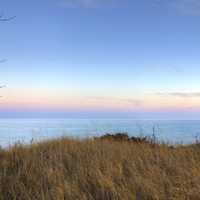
(26,130)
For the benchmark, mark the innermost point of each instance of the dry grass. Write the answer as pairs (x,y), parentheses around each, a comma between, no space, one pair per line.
(99,170)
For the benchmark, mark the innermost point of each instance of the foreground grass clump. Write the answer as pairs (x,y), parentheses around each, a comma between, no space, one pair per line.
(107,168)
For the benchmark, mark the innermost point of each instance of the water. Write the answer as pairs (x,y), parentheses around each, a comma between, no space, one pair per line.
(26,130)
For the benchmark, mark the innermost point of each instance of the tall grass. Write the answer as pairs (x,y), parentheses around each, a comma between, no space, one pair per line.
(95,169)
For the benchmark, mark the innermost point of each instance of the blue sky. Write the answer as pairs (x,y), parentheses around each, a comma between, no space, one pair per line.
(103,58)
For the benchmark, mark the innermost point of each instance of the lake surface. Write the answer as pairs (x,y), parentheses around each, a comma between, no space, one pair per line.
(25,130)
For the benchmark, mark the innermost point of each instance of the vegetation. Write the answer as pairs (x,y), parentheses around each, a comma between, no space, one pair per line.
(106,168)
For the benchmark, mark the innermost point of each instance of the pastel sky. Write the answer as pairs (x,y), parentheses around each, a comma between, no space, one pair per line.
(100,58)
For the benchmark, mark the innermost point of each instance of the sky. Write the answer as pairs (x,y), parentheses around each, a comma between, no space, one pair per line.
(100,58)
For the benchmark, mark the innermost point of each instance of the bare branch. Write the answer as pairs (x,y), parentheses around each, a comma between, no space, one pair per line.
(3,60)
(3,19)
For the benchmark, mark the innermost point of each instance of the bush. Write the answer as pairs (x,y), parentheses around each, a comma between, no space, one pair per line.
(110,168)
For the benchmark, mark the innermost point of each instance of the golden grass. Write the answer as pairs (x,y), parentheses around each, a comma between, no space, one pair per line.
(96,169)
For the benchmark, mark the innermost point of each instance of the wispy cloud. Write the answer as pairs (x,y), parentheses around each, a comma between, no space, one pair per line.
(90,3)
(191,7)
(181,94)
(188,7)
(133,102)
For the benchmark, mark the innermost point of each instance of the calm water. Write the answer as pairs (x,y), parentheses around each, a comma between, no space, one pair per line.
(25,130)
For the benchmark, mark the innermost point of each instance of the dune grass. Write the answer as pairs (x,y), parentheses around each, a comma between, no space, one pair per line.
(99,169)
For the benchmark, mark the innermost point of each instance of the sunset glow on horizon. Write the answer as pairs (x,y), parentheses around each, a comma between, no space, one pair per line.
(96,56)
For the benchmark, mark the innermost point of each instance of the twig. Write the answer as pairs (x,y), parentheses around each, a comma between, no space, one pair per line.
(6,19)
